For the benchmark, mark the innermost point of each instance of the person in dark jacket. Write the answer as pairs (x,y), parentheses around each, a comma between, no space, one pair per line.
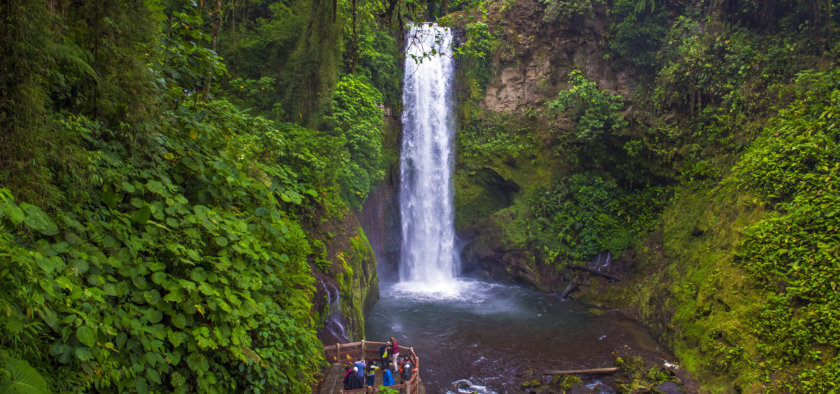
(384,355)
(406,370)
(354,380)
(346,380)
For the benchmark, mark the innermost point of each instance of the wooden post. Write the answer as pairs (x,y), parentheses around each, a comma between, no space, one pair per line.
(364,358)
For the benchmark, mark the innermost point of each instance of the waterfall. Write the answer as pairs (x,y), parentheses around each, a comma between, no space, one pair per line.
(332,323)
(428,255)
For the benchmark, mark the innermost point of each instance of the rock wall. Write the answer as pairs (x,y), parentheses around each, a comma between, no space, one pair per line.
(380,218)
(349,286)
(536,57)
(529,67)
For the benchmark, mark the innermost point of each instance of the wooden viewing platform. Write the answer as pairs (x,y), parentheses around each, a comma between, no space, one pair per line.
(349,352)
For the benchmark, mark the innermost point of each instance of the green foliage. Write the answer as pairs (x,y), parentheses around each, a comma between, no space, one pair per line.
(799,153)
(17,376)
(596,112)
(474,56)
(387,390)
(152,232)
(118,40)
(714,65)
(28,54)
(793,253)
(259,94)
(157,285)
(313,65)
(354,117)
(638,33)
(488,135)
(822,378)
(373,53)
(187,64)
(566,11)
(586,215)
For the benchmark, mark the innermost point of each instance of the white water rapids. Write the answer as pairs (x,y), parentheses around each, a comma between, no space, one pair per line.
(429,260)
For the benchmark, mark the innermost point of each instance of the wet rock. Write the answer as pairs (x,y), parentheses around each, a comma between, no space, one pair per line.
(526,372)
(668,388)
(596,311)
(534,383)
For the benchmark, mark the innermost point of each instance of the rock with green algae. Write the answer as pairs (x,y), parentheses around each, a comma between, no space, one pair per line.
(533,383)
(595,311)
(564,383)
(641,379)
(347,264)
(359,283)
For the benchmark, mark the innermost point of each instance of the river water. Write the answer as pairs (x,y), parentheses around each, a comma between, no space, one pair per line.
(491,333)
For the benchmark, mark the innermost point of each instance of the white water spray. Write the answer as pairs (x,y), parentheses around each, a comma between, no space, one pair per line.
(428,258)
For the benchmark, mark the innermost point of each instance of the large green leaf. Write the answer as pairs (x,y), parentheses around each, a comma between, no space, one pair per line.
(22,378)
(155,187)
(38,220)
(86,335)
(142,215)
(13,212)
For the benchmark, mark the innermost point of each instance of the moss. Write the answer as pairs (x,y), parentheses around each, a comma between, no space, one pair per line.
(595,311)
(357,281)
(565,382)
(699,305)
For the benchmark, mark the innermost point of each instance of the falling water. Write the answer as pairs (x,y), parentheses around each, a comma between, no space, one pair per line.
(428,255)
(332,323)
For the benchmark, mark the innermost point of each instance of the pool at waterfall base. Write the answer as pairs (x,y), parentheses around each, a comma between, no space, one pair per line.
(493,335)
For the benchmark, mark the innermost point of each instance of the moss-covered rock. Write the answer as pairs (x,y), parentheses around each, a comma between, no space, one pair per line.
(699,306)
(359,283)
(350,277)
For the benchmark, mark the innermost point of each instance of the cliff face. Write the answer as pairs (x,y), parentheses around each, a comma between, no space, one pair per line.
(347,283)
(380,219)
(536,57)
(529,65)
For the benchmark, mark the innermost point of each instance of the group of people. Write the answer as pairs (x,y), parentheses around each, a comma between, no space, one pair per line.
(363,372)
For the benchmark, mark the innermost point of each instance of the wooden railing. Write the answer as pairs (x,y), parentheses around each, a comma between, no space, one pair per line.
(341,351)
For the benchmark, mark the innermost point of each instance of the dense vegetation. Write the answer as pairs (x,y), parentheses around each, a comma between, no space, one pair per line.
(168,173)
(713,179)
(169,170)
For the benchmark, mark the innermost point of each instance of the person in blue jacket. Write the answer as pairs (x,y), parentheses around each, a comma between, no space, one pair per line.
(387,377)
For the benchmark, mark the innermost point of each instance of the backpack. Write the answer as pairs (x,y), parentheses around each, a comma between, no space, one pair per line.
(383,352)
(406,371)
